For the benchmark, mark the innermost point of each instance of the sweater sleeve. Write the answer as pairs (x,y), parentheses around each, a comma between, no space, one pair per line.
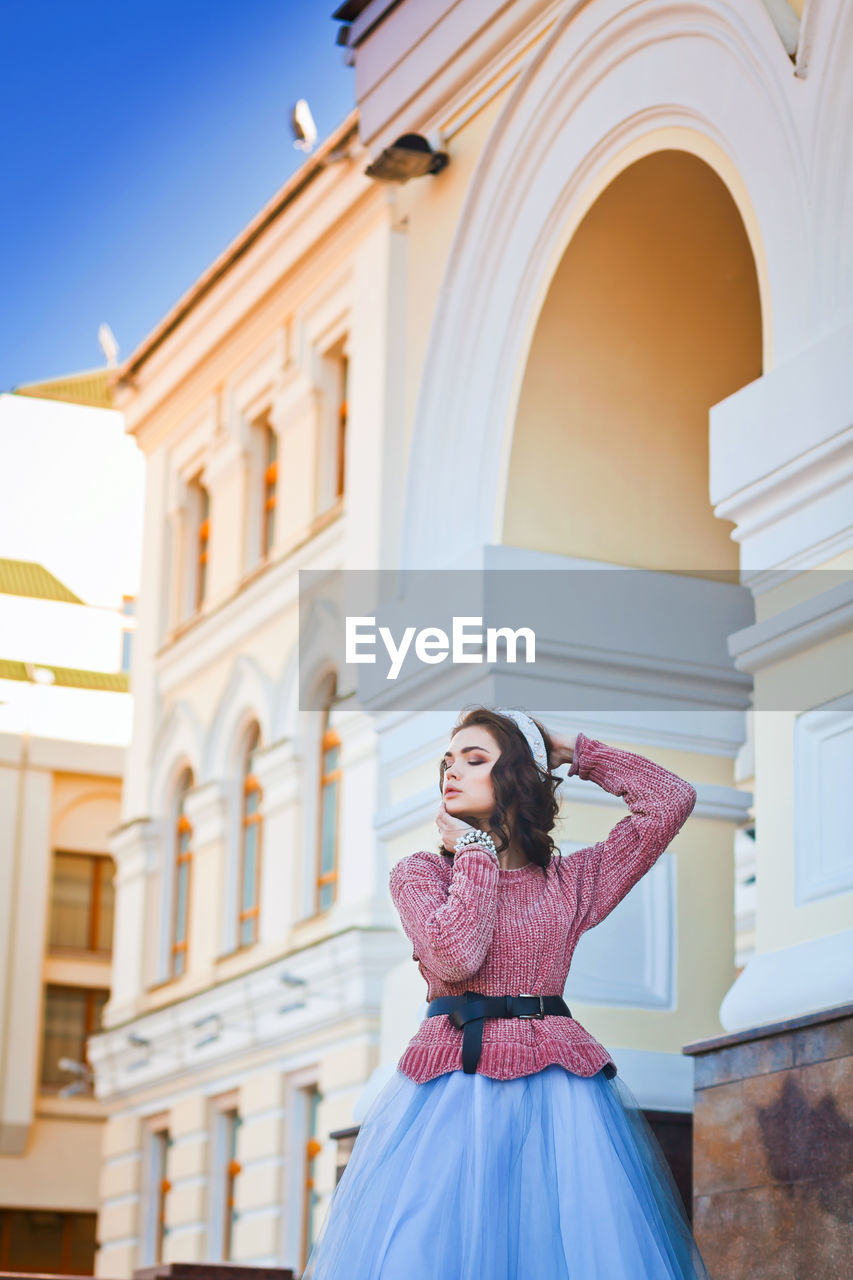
(450,926)
(660,804)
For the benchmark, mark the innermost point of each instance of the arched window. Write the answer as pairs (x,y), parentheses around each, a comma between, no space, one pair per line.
(183,869)
(250,846)
(330,778)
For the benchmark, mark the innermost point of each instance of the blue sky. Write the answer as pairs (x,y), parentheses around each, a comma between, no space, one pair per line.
(138,137)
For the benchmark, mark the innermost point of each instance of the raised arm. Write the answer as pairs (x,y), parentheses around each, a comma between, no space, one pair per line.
(660,804)
(450,926)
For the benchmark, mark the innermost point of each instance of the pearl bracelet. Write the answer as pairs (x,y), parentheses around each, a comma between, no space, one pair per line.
(476,837)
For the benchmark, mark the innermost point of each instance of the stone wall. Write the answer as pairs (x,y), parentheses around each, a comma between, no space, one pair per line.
(773,1149)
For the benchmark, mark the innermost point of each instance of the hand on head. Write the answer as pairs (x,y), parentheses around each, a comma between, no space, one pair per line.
(564,748)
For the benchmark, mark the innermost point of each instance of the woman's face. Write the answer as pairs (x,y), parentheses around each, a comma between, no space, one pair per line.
(469,761)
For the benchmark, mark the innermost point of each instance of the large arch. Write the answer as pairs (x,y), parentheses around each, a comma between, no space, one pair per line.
(610,86)
(653,315)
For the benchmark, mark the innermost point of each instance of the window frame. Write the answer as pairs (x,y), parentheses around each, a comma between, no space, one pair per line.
(156,1188)
(249,785)
(180,857)
(52,1088)
(202,525)
(269,490)
(328,740)
(95,906)
(343,420)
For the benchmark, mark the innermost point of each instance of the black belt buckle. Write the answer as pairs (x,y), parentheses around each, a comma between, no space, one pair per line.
(541,1013)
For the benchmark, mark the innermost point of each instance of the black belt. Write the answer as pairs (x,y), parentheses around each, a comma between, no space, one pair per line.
(467,1012)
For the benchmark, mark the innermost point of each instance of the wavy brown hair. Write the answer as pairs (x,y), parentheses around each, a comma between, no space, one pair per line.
(517,781)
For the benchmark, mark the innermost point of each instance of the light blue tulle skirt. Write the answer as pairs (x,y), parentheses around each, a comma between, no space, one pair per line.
(551,1176)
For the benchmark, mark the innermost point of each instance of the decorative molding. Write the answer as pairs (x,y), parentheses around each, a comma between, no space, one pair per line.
(136,849)
(265,599)
(782,456)
(179,740)
(206,808)
(248,694)
(631,957)
(334,981)
(279,770)
(794,630)
(823,767)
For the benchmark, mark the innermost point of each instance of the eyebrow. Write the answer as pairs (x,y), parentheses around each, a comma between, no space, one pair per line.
(465,751)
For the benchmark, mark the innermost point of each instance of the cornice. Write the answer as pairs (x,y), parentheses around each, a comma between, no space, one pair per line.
(794,630)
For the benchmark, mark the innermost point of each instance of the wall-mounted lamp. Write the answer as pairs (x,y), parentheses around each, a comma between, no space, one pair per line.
(83,1071)
(411,156)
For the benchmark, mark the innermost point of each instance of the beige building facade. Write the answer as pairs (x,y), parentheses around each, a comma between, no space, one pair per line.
(65,720)
(585,343)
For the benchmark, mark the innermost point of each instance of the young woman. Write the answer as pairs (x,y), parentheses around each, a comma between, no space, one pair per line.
(505,1146)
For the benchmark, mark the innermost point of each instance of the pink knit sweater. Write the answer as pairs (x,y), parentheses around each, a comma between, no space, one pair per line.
(476,926)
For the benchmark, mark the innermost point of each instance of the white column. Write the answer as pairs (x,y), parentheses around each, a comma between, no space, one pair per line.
(187,1171)
(279,772)
(782,469)
(225,478)
(155,615)
(295,418)
(179,605)
(377,400)
(364,878)
(136,849)
(206,807)
(23,959)
(260,1191)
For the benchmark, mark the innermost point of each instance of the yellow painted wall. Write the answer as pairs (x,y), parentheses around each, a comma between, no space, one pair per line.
(652,316)
(704,921)
(59,1167)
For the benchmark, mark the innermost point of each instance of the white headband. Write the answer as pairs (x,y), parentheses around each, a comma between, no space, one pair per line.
(534,738)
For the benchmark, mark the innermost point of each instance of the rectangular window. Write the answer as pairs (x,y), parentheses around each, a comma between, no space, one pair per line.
(82,903)
(71,1015)
(128,609)
(342,425)
(42,1240)
(250,852)
(203,541)
(313,1147)
(157,1187)
(333,384)
(270,491)
(224,1171)
(231,1124)
(195,552)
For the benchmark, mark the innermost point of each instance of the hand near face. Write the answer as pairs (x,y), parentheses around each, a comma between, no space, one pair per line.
(450,828)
